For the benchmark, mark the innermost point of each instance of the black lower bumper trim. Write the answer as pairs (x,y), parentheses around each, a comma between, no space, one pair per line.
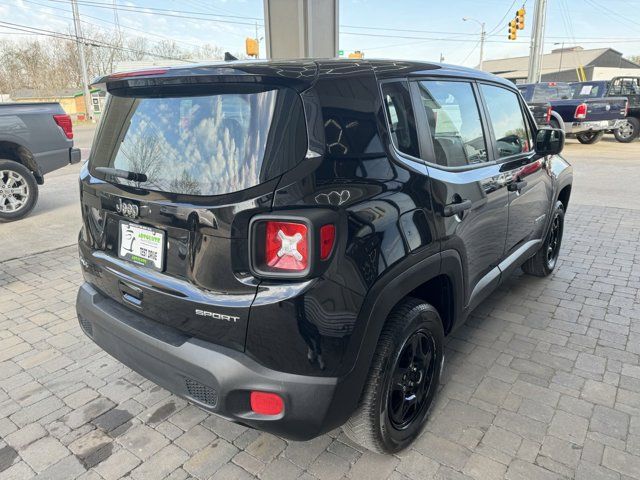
(216,378)
(75,155)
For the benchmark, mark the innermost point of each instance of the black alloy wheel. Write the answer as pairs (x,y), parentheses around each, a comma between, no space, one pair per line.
(555,240)
(403,379)
(413,374)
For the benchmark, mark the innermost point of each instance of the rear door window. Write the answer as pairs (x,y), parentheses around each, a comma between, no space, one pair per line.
(507,120)
(454,122)
(203,145)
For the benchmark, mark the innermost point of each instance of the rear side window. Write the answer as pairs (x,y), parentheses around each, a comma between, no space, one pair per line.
(402,125)
(454,122)
(203,145)
(507,120)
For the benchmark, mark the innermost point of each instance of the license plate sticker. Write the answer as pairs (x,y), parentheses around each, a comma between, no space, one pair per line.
(142,245)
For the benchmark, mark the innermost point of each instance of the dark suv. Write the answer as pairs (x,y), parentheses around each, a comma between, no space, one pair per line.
(286,244)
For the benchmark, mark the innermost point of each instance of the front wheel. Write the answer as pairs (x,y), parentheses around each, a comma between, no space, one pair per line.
(545,259)
(628,131)
(589,138)
(18,190)
(402,381)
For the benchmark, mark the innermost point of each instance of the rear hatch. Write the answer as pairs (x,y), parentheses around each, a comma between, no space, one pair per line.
(202,153)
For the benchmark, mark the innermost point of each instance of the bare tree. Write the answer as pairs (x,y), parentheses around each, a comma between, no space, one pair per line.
(52,63)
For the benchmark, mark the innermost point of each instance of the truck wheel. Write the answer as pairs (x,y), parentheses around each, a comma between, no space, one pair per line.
(403,379)
(589,138)
(18,190)
(628,131)
(545,259)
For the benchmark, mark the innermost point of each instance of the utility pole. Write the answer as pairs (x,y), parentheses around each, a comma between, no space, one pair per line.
(483,35)
(83,63)
(537,41)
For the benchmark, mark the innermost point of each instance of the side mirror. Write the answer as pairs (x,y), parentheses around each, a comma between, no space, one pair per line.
(549,141)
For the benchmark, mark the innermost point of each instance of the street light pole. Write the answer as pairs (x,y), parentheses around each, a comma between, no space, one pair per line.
(483,35)
(537,41)
(83,63)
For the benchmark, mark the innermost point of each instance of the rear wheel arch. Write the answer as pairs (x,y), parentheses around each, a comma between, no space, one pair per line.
(556,120)
(401,282)
(564,195)
(21,154)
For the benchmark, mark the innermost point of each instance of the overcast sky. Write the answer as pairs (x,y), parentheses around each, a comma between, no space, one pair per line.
(378,27)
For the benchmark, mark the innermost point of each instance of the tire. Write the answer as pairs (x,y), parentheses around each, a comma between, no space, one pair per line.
(629,132)
(546,258)
(16,204)
(378,423)
(589,138)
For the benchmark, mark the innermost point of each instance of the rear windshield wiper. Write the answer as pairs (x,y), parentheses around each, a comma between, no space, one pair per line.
(116,172)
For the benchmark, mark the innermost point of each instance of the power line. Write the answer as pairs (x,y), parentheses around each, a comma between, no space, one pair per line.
(166,12)
(468,40)
(86,41)
(153,34)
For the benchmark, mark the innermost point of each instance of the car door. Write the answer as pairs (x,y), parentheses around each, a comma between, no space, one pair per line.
(469,194)
(526,176)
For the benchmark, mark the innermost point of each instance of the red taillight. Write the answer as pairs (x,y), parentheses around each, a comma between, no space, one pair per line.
(581,111)
(64,122)
(266,403)
(327,239)
(626,108)
(286,246)
(548,117)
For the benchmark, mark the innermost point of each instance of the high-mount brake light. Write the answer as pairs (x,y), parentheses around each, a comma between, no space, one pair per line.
(581,111)
(64,122)
(139,73)
(286,246)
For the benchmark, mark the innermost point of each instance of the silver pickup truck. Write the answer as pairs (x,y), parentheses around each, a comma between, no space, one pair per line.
(35,139)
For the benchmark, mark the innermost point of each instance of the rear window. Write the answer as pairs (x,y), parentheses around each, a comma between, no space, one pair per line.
(543,92)
(202,145)
(587,90)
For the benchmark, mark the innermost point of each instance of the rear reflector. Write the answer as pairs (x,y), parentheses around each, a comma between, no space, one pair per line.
(64,122)
(286,246)
(266,403)
(327,239)
(581,111)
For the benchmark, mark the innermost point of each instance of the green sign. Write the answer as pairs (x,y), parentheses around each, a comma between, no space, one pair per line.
(340,53)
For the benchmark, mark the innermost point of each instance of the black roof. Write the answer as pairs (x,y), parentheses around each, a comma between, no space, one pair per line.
(305,71)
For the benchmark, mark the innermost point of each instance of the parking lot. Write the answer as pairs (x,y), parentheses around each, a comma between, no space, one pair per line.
(542,382)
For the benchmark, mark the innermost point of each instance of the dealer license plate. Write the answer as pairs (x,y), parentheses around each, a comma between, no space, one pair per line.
(142,245)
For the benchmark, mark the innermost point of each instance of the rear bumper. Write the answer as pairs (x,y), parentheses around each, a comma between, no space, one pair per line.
(595,126)
(216,378)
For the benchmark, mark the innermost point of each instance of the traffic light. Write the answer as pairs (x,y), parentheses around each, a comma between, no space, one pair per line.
(251,46)
(513,29)
(520,19)
(357,54)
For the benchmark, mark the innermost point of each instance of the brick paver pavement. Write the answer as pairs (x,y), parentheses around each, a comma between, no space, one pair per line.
(543,382)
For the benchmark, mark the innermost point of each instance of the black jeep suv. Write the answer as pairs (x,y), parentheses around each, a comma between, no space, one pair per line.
(286,244)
